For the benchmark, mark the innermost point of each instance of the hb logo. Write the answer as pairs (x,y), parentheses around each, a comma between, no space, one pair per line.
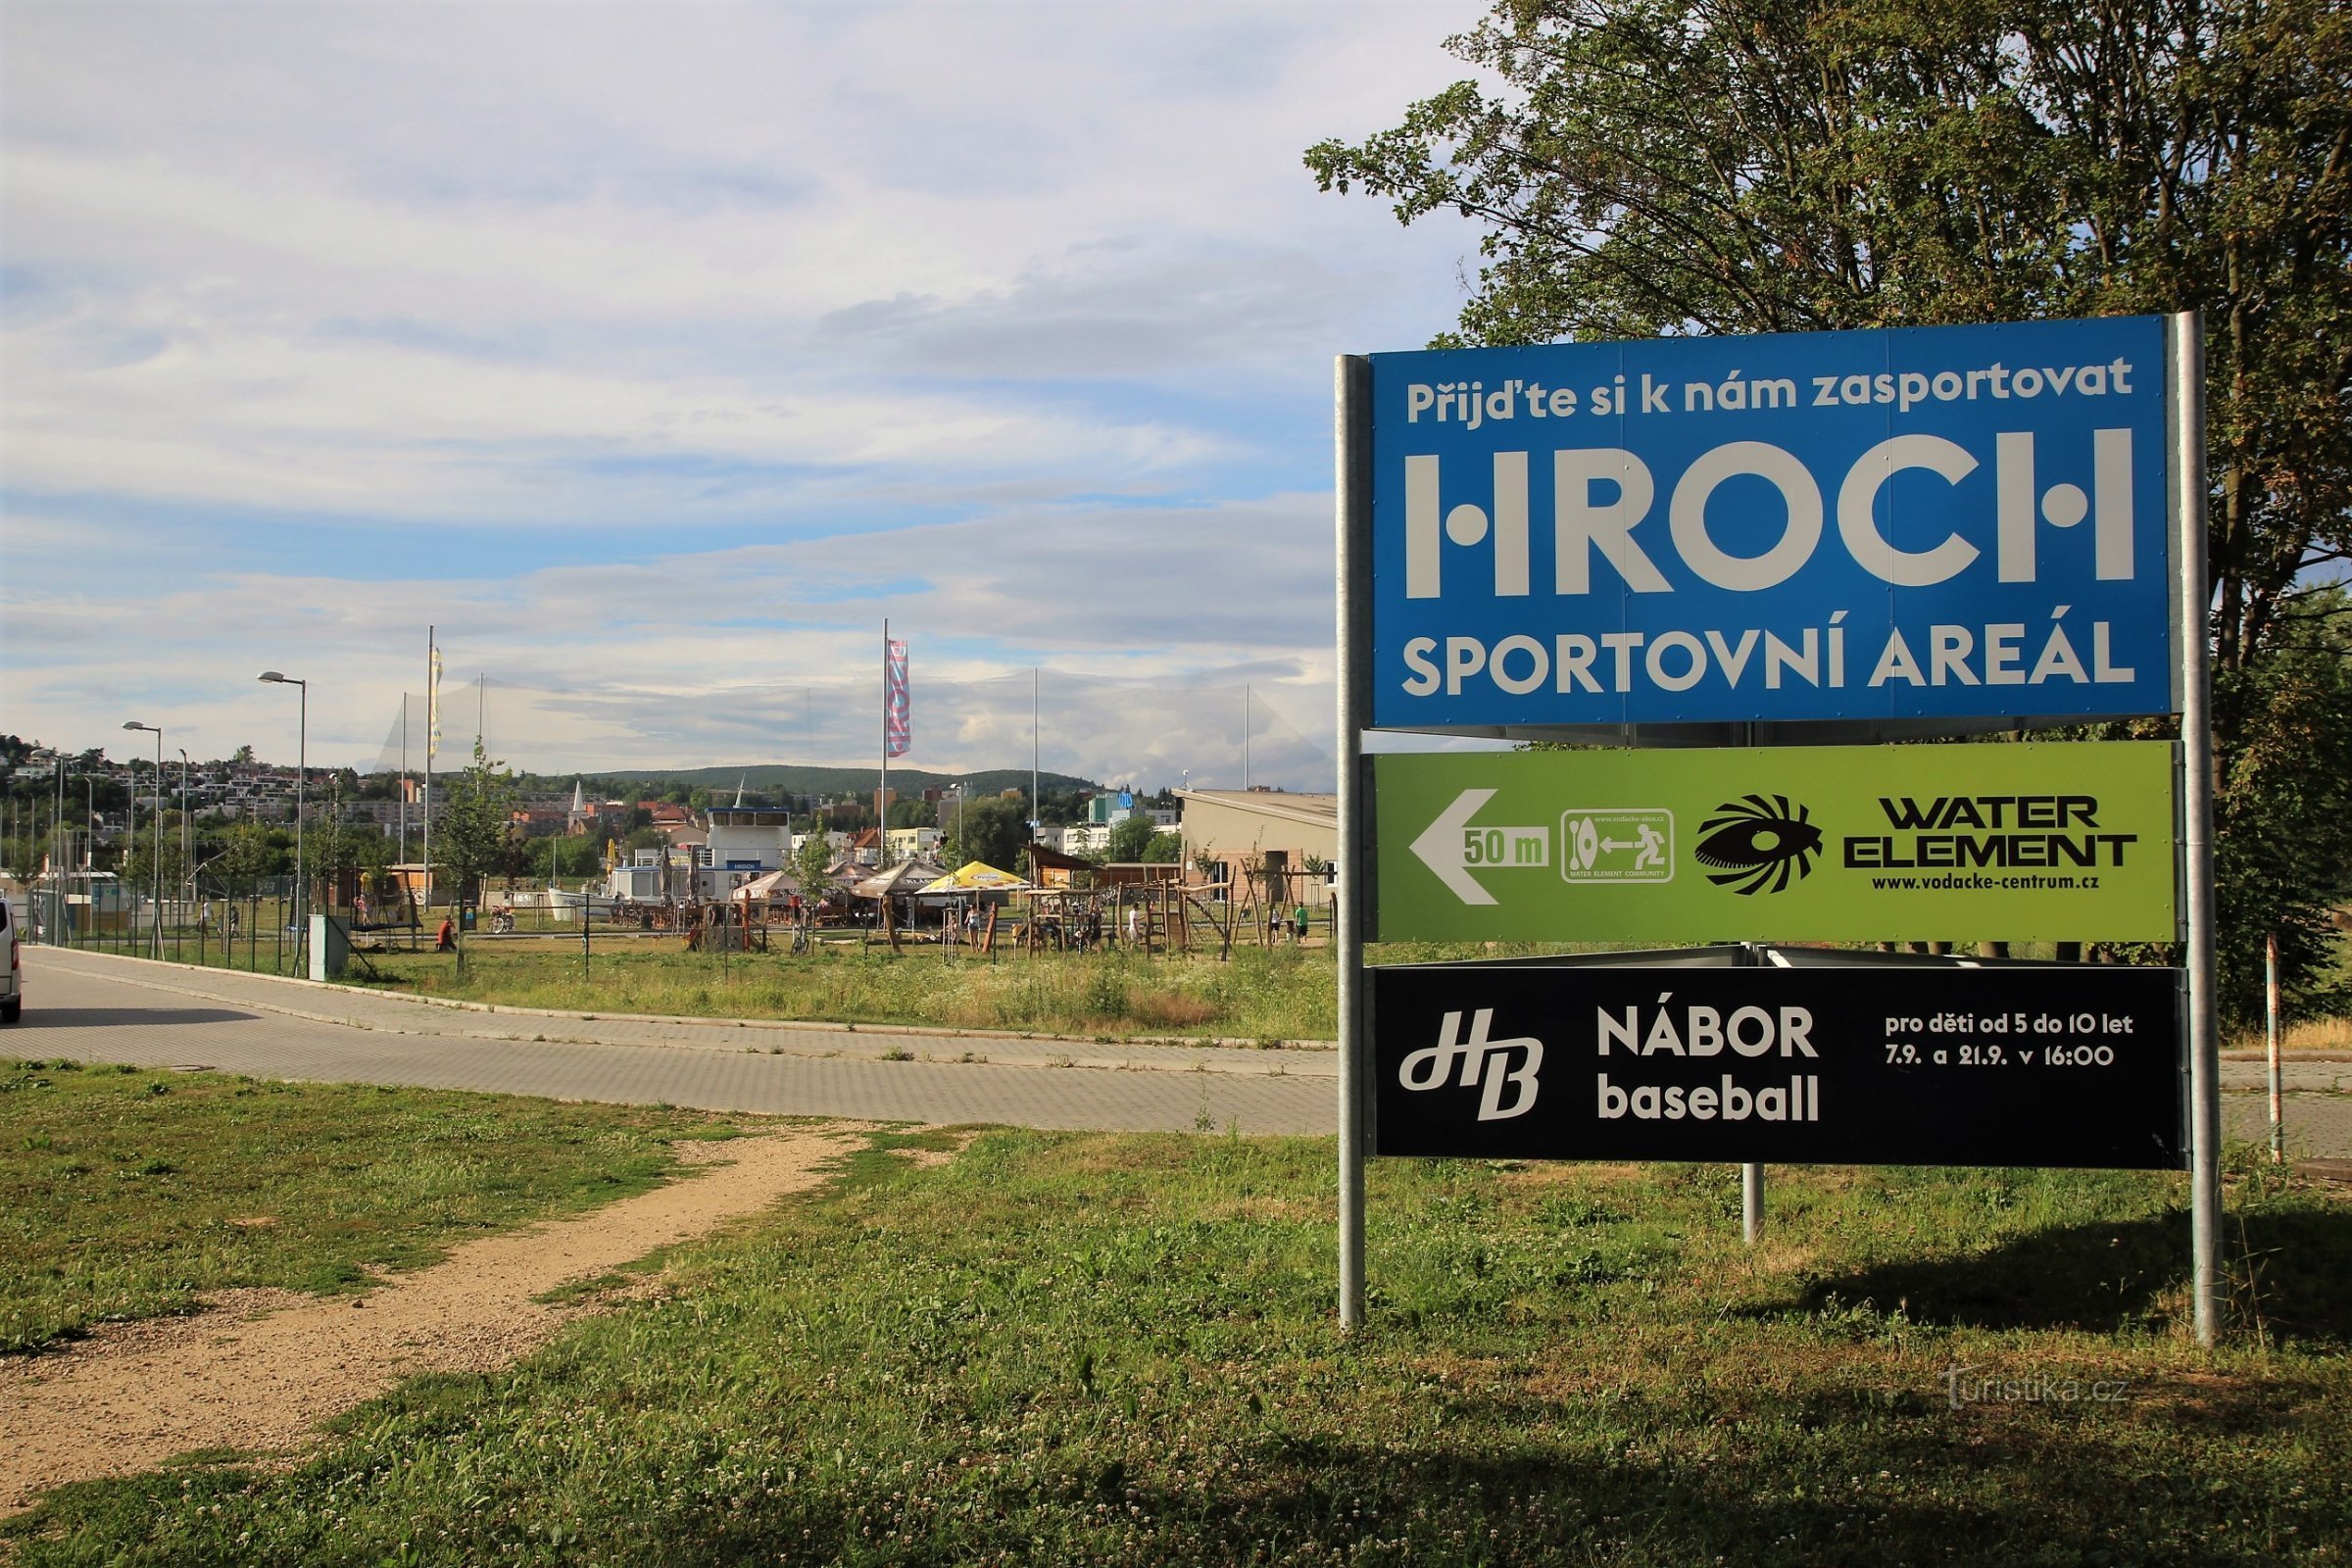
(1489,1064)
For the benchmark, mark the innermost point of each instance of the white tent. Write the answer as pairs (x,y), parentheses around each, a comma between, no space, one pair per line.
(768,885)
(903,880)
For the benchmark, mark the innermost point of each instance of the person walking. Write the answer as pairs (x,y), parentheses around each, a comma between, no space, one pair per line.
(1299,918)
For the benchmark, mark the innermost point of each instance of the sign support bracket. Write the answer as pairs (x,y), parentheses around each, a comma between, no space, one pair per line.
(1751,1174)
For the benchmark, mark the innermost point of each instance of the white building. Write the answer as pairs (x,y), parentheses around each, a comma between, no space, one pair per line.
(749,838)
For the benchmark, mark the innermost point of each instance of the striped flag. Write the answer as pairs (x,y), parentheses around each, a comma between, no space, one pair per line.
(432,706)
(898,726)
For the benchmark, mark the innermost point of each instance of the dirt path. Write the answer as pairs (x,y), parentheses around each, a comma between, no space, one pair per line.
(264,1367)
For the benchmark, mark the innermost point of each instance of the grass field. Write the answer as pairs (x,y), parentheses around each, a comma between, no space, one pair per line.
(1262,994)
(127,1194)
(1269,993)
(1061,1349)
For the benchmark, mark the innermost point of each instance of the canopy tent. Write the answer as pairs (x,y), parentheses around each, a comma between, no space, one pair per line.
(977,876)
(903,880)
(768,885)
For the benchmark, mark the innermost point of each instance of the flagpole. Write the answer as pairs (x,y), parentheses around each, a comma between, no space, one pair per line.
(1037,814)
(882,800)
(403,776)
(432,743)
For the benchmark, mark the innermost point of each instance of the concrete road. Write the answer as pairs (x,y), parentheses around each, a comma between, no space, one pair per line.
(99,1008)
(102,1008)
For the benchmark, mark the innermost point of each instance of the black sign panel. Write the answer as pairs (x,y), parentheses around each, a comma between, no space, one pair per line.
(1863,1066)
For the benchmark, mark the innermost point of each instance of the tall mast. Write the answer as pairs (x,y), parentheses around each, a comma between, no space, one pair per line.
(432,744)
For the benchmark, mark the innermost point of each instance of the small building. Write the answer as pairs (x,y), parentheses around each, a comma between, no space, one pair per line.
(1052,868)
(412,880)
(1283,844)
(749,838)
(907,843)
(1085,838)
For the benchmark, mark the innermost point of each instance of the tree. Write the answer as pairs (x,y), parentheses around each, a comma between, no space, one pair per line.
(575,856)
(141,857)
(1131,837)
(1657,167)
(24,855)
(2283,841)
(242,755)
(995,830)
(1752,166)
(1165,849)
(471,842)
(814,860)
(253,851)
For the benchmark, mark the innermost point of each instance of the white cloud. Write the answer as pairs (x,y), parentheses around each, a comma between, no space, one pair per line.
(311,304)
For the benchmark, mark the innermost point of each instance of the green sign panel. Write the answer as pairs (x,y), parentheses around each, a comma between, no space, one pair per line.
(1826,843)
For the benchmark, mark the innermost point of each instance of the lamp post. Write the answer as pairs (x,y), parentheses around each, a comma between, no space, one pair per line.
(57,883)
(157,924)
(302,770)
(89,851)
(187,858)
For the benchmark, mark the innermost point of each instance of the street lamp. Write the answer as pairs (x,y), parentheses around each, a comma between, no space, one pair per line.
(302,770)
(158,922)
(188,859)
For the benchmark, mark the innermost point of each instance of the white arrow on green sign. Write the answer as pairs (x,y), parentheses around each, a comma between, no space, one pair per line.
(1449,846)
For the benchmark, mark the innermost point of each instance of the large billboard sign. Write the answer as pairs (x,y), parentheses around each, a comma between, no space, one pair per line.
(1923,524)
(1996,1066)
(2018,842)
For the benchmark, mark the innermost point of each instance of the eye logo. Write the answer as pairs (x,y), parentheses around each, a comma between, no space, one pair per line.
(1759,841)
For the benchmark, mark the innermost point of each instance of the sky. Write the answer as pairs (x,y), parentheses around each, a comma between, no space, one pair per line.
(655,354)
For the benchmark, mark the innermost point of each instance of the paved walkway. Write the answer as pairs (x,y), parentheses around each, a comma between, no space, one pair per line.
(103,1007)
(100,1007)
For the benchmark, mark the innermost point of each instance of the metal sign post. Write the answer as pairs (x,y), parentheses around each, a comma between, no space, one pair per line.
(2184,345)
(1352,395)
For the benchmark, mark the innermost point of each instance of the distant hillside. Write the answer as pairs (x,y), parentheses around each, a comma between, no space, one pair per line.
(792,778)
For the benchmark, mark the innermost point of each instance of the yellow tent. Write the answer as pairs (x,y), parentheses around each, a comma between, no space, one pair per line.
(976,876)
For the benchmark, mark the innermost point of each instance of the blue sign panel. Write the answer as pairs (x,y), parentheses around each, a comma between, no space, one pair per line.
(1924,523)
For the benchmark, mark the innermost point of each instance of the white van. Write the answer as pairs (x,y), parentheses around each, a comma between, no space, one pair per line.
(12,979)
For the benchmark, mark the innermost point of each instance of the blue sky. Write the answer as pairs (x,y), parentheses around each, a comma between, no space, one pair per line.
(657,352)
